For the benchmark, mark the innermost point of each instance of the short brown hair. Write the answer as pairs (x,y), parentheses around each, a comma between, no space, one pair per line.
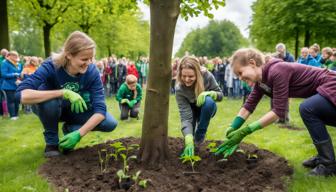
(131,79)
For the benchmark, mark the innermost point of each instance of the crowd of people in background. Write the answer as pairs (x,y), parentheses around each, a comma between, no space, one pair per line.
(113,72)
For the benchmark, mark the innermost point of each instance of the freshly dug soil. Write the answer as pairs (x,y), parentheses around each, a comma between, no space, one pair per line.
(252,169)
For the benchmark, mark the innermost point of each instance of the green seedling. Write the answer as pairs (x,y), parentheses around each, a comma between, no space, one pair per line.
(143,183)
(118,148)
(241,151)
(101,162)
(192,160)
(122,175)
(212,147)
(252,156)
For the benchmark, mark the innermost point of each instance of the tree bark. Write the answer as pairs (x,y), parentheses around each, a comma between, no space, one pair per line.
(297,41)
(4,32)
(154,140)
(46,39)
(307,38)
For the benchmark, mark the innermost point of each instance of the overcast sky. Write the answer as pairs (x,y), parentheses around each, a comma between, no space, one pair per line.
(237,11)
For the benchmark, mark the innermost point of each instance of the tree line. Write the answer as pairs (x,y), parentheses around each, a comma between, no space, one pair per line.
(38,27)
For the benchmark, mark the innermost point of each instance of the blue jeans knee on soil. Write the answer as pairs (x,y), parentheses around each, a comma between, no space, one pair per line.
(50,113)
(208,110)
(317,112)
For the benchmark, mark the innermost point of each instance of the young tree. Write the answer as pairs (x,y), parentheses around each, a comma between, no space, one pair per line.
(163,17)
(4,35)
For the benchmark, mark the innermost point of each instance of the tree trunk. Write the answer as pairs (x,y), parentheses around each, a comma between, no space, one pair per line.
(307,38)
(297,41)
(4,35)
(46,39)
(154,140)
(109,51)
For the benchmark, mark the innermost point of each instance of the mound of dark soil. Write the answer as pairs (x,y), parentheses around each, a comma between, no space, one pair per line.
(252,169)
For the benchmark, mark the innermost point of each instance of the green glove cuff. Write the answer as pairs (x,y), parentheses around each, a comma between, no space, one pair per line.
(213,95)
(189,139)
(237,122)
(254,126)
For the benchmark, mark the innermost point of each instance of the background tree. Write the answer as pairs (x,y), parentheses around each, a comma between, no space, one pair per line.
(4,35)
(292,22)
(163,17)
(116,26)
(218,38)
(48,13)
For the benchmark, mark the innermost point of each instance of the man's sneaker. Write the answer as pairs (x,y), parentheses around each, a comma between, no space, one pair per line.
(51,151)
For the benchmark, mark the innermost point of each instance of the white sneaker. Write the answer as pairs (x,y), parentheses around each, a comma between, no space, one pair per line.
(14,118)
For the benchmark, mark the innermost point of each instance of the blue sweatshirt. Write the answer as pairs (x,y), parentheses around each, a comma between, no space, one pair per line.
(9,75)
(309,61)
(49,77)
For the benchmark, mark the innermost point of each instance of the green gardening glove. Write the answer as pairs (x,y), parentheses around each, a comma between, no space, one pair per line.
(70,140)
(236,124)
(132,103)
(235,137)
(124,101)
(78,105)
(201,97)
(188,146)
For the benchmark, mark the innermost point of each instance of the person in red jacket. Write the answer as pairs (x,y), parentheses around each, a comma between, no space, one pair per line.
(131,69)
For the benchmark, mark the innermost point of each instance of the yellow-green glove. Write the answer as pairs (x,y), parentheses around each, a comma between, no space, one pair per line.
(201,97)
(78,104)
(124,101)
(188,146)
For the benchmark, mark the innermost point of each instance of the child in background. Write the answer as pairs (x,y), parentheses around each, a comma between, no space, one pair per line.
(29,68)
(325,58)
(129,96)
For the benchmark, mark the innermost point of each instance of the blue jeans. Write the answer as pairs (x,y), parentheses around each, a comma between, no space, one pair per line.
(12,103)
(51,112)
(204,114)
(316,112)
(236,88)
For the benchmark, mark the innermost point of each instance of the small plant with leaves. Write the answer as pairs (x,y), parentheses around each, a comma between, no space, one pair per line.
(125,180)
(252,158)
(212,147)
(143,183)
(192,160)
(118,149)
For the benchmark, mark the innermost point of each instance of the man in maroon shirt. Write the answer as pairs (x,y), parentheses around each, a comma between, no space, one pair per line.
(281,80)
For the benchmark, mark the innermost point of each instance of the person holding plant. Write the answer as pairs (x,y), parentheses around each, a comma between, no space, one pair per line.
(196,93)
(129,97)
(281,80)
(67,87)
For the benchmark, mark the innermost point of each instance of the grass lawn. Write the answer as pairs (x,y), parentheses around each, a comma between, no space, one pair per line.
(22,144)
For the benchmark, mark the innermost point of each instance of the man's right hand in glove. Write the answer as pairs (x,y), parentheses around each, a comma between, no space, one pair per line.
(78,105)
(188,146)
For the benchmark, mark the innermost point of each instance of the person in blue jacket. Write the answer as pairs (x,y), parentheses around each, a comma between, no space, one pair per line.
(67,87)
(10,73)
(307,59)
